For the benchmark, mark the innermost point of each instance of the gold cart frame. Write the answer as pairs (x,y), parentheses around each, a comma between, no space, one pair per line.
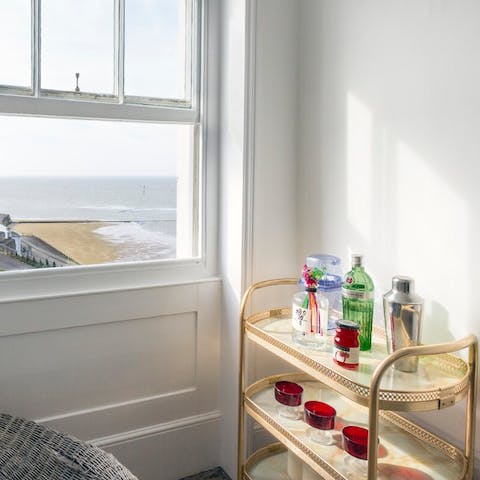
(374,405)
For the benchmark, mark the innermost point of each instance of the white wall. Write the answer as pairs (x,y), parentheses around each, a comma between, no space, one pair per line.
(257,201)
(232,157)
(274,167)
(274,131)
(389,115)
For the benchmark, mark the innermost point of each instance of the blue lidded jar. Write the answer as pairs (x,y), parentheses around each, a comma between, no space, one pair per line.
(330,285)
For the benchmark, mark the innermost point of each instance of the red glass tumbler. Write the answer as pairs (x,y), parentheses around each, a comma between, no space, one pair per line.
(355,443)
(289,395)
(321,417)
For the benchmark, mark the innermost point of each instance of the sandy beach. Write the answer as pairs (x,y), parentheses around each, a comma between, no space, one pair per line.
(77,240)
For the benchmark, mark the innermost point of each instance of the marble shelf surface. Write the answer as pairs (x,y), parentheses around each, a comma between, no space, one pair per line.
(438,373)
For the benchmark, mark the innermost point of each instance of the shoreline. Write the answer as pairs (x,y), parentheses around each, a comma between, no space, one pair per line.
(76,239)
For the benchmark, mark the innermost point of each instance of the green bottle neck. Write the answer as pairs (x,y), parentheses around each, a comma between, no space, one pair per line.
(358,267)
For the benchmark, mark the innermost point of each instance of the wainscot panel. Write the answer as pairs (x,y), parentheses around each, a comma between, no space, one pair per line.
(133,370)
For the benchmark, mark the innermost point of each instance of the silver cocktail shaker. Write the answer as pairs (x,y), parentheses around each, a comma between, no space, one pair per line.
(402,309)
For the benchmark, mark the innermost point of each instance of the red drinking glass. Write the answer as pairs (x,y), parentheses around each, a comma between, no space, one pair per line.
(289,394)
(321,417)
(355,443)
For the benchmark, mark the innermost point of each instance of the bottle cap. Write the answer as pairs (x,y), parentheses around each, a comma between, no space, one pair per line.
(348,324)
(357,260)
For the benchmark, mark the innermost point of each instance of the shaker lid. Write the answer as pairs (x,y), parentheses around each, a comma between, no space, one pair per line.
(403,284)
(403,291)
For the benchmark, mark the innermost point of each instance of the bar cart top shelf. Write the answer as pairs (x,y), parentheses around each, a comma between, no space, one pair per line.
(441,380)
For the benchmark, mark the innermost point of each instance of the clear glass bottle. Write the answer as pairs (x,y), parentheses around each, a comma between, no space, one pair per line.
(310,319)
(357,300)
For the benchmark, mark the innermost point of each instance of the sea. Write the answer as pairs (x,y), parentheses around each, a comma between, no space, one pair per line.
(144,206)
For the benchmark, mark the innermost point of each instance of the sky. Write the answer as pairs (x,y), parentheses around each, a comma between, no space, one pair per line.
(58,147)
(79,37)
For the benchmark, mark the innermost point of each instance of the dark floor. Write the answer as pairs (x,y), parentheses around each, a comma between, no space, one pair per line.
(214,474)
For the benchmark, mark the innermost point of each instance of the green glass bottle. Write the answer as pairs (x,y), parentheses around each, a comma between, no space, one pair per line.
(357,301)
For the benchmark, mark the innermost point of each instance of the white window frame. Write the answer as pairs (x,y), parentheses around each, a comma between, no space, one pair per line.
(55,282)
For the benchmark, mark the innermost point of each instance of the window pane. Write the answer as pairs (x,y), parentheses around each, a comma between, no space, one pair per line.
(89,192)
(78,37)
(157,48)
(15,43)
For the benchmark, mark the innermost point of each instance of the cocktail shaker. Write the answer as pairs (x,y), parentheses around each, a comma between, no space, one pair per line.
(402,310)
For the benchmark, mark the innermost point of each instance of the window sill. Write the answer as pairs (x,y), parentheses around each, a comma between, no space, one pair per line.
(26,285)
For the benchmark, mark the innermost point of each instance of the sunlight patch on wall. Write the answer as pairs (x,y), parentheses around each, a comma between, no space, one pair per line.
(432,241)
(359,166)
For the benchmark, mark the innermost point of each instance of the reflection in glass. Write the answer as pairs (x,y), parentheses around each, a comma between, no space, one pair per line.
(15,43)
(157,49)
(78,37)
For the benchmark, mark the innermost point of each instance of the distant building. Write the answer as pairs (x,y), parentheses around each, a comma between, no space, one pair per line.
(5,219)
(17,238)
(7,245)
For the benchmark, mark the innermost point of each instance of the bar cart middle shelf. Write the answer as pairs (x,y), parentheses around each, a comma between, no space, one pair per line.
(367,396)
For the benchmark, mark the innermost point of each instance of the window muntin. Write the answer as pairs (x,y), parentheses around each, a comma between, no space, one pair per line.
(15,43)
(82,43)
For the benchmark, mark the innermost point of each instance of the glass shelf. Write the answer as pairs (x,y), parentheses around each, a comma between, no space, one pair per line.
(405,450)
(441,380)
(269,463)
(275,462)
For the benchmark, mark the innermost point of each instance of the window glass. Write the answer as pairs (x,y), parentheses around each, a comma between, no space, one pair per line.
(78,38)
(15,43)
(157,48)
(89,192)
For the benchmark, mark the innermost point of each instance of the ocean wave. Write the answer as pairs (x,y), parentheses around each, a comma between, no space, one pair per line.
(136,243)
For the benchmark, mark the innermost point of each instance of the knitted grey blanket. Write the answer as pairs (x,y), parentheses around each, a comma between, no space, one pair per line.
(29,451)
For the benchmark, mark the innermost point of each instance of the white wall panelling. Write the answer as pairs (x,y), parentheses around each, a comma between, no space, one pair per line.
(173,454)
(120,368)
